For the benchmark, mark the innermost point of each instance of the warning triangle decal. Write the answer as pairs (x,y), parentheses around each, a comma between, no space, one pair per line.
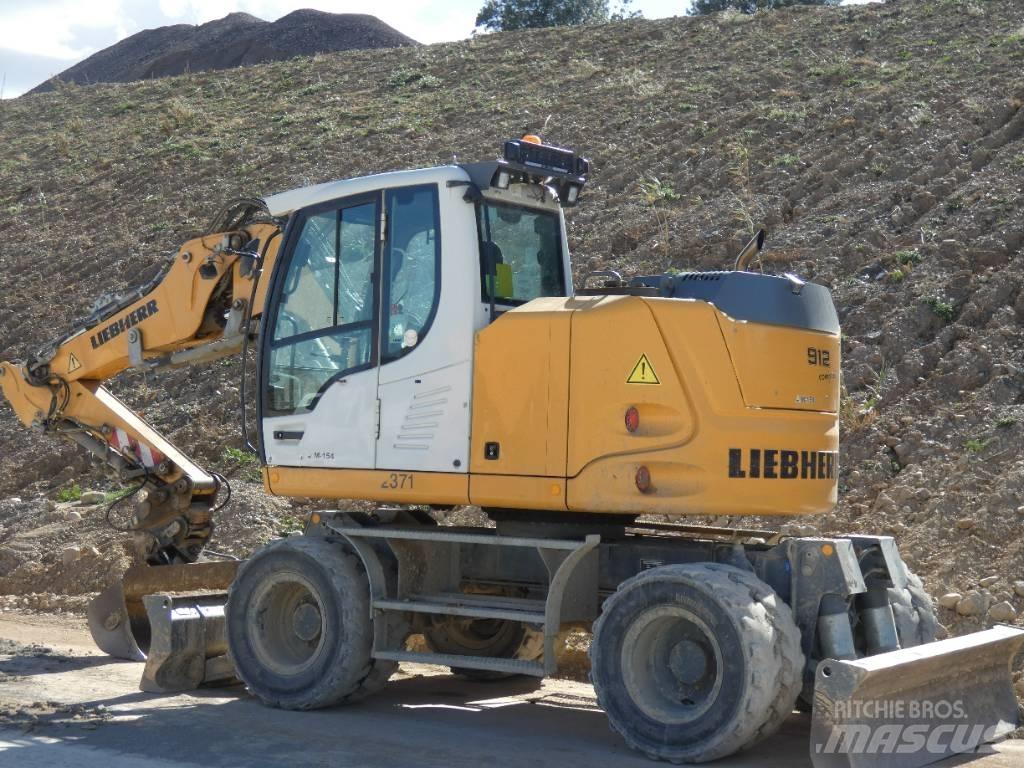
(643,373)
(73,364)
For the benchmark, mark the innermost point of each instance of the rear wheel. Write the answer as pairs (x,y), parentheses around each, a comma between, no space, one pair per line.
(299,628)
(694,662)
(494,638)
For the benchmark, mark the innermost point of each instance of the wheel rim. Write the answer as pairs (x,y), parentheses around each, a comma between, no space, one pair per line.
(287,633)
(671,664)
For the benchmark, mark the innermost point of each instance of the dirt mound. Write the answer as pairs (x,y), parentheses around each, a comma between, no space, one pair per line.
(882,146)
(236,40)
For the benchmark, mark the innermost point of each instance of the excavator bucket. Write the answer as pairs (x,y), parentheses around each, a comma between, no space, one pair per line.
(188,642)
(916,706)
(118,618)
(114,630)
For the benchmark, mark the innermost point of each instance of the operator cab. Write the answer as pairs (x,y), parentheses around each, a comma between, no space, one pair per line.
(368,304)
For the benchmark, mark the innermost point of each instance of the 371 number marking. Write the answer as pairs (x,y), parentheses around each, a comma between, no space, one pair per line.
(397,481)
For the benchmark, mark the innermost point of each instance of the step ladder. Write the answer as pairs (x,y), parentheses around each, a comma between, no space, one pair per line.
(429,578)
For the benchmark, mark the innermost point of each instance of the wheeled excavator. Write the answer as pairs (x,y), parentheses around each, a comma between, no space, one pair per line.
(420,344)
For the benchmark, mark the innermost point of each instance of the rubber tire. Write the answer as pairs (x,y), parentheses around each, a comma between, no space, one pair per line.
(514,640)
(755,630)
(343,670)
(914,611)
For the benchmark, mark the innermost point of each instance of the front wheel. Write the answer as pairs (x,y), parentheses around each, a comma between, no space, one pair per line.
(299,628)
(694,662)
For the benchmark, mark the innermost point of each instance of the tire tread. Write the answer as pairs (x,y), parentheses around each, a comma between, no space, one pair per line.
(773,674)
(351,676)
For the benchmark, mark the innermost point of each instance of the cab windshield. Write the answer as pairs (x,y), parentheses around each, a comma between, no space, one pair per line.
(520,253)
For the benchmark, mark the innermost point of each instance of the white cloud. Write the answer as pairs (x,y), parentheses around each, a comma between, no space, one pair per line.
(52,28)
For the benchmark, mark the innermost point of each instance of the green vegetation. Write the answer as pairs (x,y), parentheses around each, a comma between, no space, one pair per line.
(750,6)
(1015,38)
(111,496)
(404,76)
(855,416)
(654,191)
(976,445)
(941,308)
(245,463)
(71,493)
(908,257)
(289,525)
(786,115)
(505,15)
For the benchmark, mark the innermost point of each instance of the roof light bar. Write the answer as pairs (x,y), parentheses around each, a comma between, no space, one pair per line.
(544,157)
(529,161)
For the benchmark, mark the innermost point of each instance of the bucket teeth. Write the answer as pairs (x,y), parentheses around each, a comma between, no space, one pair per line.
(916,706)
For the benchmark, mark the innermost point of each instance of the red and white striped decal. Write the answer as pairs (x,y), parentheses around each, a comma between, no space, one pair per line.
(125,443)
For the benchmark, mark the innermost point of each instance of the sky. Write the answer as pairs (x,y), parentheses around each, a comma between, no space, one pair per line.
(39,38)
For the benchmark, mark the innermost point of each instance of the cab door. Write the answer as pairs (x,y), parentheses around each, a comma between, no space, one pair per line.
(427,340)
(320,342)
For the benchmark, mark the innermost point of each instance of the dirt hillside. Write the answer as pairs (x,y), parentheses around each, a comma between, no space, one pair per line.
(881,145)
(237,40)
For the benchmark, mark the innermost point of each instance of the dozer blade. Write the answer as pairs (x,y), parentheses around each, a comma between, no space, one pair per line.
(188,642)
(916,706)
(117,616)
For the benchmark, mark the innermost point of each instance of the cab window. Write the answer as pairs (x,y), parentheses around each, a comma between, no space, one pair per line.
(324,324)
(520,253)
(333,314)
(412,268)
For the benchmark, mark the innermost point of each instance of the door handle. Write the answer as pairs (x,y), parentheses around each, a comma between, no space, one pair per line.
(285,435)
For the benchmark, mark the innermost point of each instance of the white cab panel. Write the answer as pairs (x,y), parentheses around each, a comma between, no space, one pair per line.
(425,395)
(340,432)
(424,421)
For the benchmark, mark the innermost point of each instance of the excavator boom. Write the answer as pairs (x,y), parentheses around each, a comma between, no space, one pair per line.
(200,307)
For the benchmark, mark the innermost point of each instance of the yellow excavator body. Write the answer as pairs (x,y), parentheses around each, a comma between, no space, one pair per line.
(631,405)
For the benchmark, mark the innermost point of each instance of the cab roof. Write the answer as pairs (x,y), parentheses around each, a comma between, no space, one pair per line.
(284,203)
